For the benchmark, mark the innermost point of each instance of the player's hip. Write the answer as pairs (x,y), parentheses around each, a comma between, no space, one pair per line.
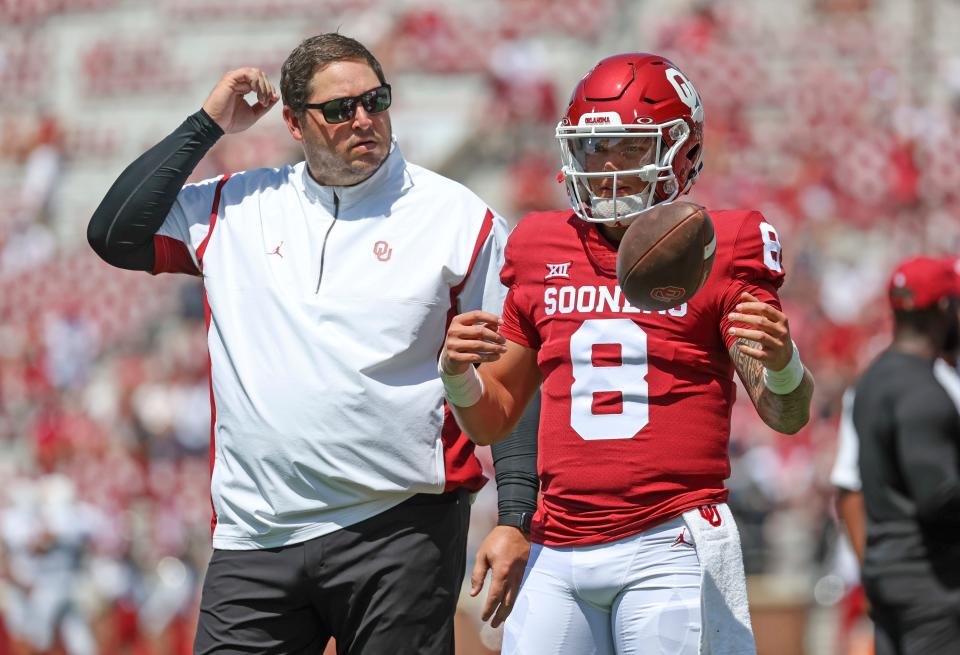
(590,519)
(612,597)
(598,573)
(686,572)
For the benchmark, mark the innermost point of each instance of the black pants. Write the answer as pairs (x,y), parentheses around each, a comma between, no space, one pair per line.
(913,615)
(386,585)
(935,636)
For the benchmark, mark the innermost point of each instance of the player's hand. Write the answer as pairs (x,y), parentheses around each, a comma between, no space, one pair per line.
(226,105)
(766,326)
(504,552)
(472,337)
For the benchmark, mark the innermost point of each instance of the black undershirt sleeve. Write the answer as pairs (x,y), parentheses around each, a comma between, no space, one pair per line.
(515,464)
(122,228)
(928,442)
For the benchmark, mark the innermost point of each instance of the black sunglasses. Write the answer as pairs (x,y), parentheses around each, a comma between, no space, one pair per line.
(340,110)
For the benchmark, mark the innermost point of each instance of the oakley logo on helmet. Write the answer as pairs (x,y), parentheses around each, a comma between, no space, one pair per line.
(688,95)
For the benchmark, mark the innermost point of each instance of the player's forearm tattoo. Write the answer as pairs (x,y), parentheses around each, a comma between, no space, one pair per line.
(785,413)
(750,370)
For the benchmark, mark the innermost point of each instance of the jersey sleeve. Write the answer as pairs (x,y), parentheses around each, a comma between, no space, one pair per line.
(187,226)
(517,325)
(756,267)
(508,272)
(482,288)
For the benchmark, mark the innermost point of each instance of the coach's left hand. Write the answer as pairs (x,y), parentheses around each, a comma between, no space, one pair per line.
(767,327)
(504,552)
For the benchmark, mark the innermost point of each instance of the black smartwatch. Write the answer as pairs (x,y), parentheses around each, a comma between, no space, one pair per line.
(519,520)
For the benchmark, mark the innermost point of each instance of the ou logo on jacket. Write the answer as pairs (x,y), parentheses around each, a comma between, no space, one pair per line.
(382,250)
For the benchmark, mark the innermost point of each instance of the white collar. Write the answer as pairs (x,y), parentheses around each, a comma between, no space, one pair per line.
(390,178)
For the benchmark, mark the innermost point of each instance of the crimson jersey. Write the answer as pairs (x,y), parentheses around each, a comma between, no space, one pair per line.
(635,414)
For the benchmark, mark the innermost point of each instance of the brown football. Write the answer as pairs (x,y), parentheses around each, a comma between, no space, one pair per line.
(666,255)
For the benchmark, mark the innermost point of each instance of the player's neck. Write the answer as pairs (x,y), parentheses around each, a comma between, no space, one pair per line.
(908,342)
(611,233)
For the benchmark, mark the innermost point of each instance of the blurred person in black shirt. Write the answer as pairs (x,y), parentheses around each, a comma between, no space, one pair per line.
(851,514)
(909,431)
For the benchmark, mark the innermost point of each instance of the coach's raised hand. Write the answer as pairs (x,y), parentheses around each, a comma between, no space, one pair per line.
(226,104)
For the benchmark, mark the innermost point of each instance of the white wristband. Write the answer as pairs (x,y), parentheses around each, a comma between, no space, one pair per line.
(463,389)
(788,378)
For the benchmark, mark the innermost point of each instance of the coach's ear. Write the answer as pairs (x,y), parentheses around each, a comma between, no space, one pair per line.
(293,123)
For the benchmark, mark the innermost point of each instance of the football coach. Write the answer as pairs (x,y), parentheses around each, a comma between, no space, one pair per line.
(340,483)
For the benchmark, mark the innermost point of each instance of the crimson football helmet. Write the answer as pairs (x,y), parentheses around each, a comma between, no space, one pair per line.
(631,138)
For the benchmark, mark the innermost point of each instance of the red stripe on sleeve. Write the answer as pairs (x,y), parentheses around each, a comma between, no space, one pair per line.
(485,229)
(214,211)
(213,415)
(172,256)
(462,466)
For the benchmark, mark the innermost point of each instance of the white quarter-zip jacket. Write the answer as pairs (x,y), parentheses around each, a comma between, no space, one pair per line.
(327,308)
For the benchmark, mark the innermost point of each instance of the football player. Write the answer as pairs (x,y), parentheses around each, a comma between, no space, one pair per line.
(634,548)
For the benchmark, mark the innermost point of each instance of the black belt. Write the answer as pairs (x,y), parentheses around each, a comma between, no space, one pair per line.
(437,499)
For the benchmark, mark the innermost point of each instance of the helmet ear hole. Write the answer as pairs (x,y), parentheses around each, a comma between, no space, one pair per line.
(694,152)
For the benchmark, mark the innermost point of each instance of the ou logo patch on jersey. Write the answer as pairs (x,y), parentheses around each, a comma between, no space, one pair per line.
(688,95)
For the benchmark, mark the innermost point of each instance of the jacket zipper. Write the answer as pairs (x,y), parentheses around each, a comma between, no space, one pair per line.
(323,249)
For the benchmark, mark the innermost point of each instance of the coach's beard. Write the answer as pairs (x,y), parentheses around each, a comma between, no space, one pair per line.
(330,169)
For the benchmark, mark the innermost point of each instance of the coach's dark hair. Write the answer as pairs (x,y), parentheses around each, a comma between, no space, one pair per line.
(314,54)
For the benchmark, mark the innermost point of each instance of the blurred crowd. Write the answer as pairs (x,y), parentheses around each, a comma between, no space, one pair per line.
(819,122)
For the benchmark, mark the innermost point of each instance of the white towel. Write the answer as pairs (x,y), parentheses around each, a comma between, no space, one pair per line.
(725,612)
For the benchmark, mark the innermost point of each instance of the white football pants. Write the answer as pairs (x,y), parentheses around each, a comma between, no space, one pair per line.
(639,595)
